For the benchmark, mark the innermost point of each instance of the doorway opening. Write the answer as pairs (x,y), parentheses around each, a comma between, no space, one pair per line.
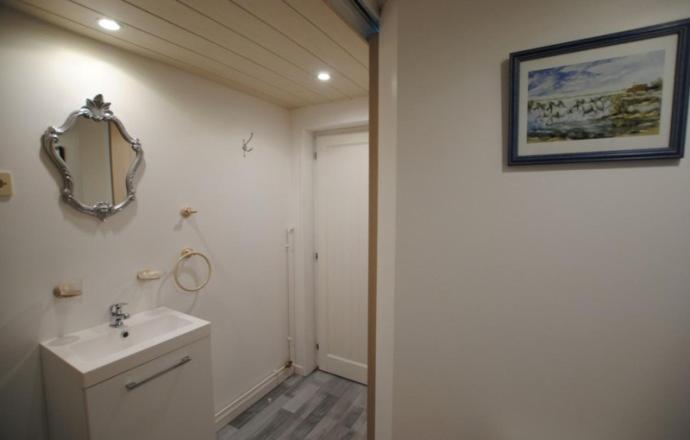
(323,404)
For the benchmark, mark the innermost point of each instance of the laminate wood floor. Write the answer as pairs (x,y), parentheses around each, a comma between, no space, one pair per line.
(319,406)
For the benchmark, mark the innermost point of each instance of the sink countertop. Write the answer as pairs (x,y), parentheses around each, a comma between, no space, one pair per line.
(100,352)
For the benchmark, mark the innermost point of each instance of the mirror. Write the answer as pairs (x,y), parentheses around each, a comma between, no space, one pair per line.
(96,157)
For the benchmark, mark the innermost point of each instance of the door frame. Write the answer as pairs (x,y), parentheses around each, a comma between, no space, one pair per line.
(373,126)
(325,118)
(373,230)
(306,123)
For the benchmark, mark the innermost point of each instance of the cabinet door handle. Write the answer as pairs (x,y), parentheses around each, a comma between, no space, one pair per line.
(131,385)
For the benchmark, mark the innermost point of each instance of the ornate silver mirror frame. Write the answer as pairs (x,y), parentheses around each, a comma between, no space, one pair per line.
(96,110)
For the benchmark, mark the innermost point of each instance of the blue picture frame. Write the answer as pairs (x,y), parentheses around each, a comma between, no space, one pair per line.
(538,134)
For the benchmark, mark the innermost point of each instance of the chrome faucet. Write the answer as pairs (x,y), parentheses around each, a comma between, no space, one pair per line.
(117,315)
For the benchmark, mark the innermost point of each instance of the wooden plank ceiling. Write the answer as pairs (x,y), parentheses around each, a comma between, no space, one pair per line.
(272,49)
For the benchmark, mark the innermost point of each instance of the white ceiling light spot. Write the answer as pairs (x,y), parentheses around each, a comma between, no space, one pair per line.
(109,24)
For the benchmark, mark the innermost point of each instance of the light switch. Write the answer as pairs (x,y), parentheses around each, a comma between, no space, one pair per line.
(5,184)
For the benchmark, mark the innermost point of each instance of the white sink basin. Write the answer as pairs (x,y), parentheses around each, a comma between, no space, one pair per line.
(101,352)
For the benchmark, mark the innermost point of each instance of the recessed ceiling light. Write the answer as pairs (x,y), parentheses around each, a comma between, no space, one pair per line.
(324,76)
(109,24)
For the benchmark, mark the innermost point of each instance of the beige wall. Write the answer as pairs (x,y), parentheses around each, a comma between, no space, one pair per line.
(535,303)
(191,131)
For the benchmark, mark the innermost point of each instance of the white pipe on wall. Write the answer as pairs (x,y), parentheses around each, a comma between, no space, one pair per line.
(290,250)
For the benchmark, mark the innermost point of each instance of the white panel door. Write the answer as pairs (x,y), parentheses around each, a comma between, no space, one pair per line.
(342,218)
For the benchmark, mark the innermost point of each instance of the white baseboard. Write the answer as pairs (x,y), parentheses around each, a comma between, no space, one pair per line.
(300,370)
(253,395)
(304,371)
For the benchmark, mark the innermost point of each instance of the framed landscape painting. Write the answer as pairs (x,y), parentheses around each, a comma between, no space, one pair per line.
(616,97)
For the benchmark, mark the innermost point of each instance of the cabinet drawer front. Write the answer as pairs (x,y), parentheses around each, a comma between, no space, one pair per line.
(167,398)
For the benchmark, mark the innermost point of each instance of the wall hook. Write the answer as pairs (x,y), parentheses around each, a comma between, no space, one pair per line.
(245,145)
(187,212)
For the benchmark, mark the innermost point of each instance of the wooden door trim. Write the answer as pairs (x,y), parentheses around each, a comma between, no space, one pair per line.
(373,229)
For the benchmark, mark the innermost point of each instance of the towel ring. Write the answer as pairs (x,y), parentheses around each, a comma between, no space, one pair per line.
(188,253)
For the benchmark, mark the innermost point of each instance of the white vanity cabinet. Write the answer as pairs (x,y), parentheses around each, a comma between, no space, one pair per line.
(160,390)
(173,404)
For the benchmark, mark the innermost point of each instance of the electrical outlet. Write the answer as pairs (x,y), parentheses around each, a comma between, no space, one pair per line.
(5,184)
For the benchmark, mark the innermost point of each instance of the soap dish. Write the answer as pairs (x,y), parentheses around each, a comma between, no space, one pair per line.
(149,274)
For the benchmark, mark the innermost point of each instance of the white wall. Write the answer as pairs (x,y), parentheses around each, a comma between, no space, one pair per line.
(539,303)
(305,122)
(191,131)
